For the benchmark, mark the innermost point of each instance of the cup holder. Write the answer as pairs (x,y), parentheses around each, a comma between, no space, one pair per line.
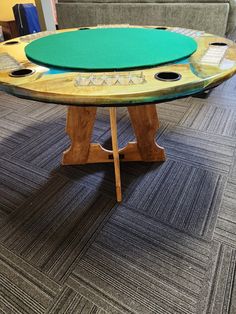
(168,76)
(161,28)
(13,42)
(21,73)
(218,44)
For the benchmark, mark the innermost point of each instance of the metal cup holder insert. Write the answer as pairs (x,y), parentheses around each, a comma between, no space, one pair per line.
(161,28)
(13,42)
(168,76)
(21,73)
(221,44)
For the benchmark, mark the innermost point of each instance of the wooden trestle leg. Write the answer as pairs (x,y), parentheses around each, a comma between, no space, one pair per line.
(115,150)
(145,123)
(79,127)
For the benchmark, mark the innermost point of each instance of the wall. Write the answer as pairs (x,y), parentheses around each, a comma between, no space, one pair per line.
(46,14)
(6,8)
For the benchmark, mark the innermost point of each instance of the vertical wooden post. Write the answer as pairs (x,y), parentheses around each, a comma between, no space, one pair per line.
(79,127)
(115,152)
(145,124)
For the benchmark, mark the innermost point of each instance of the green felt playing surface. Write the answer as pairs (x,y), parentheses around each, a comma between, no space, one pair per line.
(110,48)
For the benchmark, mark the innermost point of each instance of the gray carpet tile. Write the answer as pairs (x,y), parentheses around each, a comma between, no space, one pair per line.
(228,207)
(137,265)
(101,176)
(172,112)
(16,130)
(100,297)
(67,247)
(52,141)
(184,197)
(221,282)
(226,222)
(97,177)
(211,119)
(228,99)
(69,301)
(4,111)
(18,181)
(103,115)
(233,297)
(221,99)
(208,151)
(232,175)
(102,122)
(51,231)
(125,133)
(229,86)
(11,102)
(44,150)
(51,112)
(223,95)
(24,289)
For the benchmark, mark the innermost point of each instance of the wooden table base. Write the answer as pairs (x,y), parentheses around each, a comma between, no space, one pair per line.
(79,127)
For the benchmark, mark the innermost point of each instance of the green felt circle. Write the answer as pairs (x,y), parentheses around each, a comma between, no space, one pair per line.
(110,48)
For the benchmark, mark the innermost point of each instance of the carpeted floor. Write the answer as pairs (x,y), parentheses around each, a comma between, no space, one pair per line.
(169,248)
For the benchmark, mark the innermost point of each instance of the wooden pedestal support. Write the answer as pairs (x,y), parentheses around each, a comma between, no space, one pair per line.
(79,127)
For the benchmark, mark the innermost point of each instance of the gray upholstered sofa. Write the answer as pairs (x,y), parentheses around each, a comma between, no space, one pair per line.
(214,16)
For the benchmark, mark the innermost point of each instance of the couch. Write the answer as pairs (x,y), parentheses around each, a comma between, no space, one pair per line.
(217,17)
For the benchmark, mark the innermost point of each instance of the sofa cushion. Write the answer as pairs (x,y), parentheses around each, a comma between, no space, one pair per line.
(211,17)
(232,17)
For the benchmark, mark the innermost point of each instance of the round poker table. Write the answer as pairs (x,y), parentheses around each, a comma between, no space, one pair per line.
(133,66)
